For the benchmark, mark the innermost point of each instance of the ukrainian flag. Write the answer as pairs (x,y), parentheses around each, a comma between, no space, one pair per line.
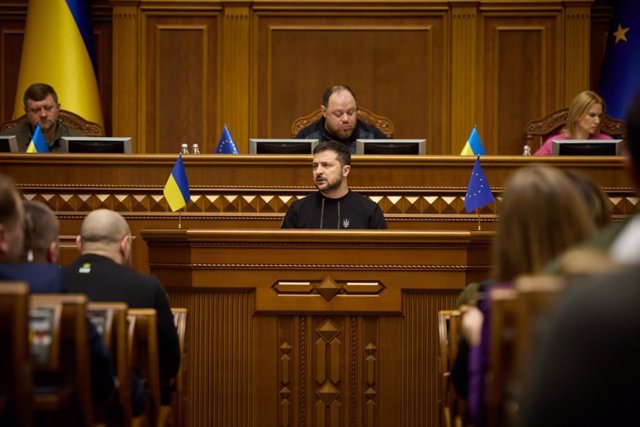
(58,50)
(176,190)
(473,147)
(37,143)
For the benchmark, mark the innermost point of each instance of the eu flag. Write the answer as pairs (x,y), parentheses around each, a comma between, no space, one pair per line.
(225,144)
(620,74)
(478,191)
(176,190)
(68,61)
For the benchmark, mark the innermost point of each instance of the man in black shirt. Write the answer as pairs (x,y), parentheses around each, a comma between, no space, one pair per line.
(333,206)
(339,120)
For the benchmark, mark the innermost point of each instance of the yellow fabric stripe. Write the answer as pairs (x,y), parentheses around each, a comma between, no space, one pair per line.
(173,195)
(466,150)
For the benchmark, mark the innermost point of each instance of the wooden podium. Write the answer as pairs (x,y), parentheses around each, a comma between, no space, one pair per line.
(314,327)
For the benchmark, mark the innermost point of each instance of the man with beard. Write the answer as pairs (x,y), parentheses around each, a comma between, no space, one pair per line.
(334,205)
(339,120)
(41,106)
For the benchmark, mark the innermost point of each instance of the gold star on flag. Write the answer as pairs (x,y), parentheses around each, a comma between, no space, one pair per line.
(620,33)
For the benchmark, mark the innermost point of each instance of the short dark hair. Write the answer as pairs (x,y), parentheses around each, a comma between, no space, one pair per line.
(633,132)
(344,155)
(337,88)
(38,92)
(8,202)
(41,228)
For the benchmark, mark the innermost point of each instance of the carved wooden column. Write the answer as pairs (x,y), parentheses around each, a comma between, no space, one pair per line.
(464,72)
(577,44)
(235,72)
(126,66)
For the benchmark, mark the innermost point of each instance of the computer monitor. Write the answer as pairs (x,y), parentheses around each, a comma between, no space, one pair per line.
(587,147)
(95,144)
(281,146)
(8,144)
(391,146)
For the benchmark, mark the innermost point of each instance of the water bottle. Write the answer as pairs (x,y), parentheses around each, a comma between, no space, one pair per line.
(527,150)
(184,149)
(195,149)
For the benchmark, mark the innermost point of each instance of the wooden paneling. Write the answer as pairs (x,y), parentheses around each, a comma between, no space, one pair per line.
(180,79)
(406,84)
(521,77)
(335,353)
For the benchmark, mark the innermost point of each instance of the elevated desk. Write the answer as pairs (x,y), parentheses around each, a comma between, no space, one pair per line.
(291,327)
(414,192)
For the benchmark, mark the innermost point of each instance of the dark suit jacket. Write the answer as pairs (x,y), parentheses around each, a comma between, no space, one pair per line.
(101,279)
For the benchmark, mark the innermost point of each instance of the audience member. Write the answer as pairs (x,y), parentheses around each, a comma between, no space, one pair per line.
(102,273)
(339,120)
(583,121)
(41,106)
(597,202)
(586,370)
(41,244)
(43,278)
(541,216)
(334,205)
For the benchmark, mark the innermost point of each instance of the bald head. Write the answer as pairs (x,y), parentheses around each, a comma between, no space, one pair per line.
(105,232)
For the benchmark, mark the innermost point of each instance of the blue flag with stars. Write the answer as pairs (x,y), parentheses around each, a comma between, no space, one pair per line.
(620,75)
(478,191)
(225,144)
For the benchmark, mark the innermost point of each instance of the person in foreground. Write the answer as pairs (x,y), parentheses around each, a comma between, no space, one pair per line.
(102,273)
(44,278)
(583,121)
(586,369)
(41,106)
(339,120)
(334,205)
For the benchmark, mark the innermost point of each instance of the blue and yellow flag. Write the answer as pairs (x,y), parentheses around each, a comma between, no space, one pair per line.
(478,191)
(473,147)
(37,143)
(58,50)
(176,190)
(620,75)
(226,144)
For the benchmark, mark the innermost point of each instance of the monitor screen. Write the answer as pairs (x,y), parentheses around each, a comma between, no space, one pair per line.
(587,147)
(92,144)
(391,146)
(281,146)
(8,144)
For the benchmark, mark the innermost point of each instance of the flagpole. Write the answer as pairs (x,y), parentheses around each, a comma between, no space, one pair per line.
(180,219)
(478,211)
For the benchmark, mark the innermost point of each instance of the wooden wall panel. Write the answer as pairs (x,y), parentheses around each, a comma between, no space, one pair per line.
(396,66)
(520,76)
(180,81)
(10,51)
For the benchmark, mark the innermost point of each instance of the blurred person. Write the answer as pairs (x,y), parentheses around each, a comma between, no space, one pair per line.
(339,120)
(41,107)
(334,205)
(41,243)
(583,121)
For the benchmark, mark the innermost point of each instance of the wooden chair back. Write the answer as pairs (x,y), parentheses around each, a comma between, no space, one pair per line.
(179,398)
(15,382)
(66,387)
(383,123)
(543,128)
(143,345)
(110,318)
(449,331)
(70,119)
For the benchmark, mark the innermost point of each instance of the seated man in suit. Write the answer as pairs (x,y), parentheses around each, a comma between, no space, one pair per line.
(41,107)
(43,278)
(103,274)
(339,120)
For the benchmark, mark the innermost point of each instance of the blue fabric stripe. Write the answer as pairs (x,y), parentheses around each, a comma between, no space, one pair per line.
(80,11)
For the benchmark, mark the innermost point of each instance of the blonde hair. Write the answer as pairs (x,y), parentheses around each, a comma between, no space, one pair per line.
(541,216)
(580,105)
